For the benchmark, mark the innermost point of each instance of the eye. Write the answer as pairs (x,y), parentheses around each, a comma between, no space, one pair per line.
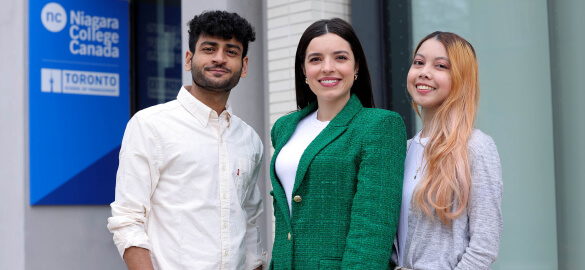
(442,66)
(417,62)
(207,49)
(342,57)
(314,59)
(232,52)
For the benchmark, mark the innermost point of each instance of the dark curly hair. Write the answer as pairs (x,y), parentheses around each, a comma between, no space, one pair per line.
(220,23)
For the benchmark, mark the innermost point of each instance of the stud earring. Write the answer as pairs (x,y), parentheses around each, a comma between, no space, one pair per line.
(306,81)
(355,77)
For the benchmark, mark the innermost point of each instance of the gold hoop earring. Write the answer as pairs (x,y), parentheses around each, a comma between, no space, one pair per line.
(355,77)
(306,81)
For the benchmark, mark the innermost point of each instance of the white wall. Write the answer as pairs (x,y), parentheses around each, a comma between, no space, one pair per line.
(286,22)
(512,44)
(13,115)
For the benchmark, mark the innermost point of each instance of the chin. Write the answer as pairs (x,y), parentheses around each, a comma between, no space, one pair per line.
(331,98)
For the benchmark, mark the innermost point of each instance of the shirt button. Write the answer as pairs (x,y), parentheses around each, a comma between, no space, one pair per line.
(297,198)
(223,167)
(225,224)
(227,252)
(289,236)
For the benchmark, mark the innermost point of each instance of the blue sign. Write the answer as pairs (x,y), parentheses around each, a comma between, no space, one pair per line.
(78,99)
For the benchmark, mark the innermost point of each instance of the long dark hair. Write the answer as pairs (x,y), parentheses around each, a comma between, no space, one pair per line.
(362,87)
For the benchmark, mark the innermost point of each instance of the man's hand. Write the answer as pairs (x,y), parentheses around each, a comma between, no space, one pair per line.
(138,259)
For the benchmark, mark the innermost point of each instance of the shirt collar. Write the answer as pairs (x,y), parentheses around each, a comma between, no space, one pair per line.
(199,110)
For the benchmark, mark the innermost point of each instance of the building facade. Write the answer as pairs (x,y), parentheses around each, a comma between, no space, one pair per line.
(529,55)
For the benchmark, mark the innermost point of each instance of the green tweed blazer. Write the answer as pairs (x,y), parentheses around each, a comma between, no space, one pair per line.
(347,191)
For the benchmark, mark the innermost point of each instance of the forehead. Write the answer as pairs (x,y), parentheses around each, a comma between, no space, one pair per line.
(217,40)
(432,47)
(328,43)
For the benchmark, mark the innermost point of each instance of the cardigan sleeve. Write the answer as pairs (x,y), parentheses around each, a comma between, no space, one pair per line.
(484,210)
(376,204)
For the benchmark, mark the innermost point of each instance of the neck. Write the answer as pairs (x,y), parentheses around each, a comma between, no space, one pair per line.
(428,116)
(214,100)
(330,108)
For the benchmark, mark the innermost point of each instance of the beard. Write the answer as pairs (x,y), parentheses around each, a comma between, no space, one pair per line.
(225,85)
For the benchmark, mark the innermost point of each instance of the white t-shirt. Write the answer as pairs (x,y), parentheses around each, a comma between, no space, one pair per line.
(413,162)
(288,159)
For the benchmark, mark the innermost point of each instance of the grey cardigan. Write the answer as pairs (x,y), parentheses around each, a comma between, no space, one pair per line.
(473,240)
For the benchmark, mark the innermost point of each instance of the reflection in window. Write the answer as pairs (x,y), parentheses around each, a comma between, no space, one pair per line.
(158,54)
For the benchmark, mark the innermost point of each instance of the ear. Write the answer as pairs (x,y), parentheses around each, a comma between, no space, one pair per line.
(304,71)
(188,58)
(357,67)
(244,67)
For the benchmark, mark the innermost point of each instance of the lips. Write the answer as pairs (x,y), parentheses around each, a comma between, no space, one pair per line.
(423,88)
(217,70)
(328,82)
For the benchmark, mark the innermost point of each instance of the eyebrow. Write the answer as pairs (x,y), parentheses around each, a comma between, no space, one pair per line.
(335,52)
(211,43)
(233,46)
(436,58)
(229,45)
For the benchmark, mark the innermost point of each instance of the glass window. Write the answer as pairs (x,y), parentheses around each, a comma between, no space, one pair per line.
(157,53)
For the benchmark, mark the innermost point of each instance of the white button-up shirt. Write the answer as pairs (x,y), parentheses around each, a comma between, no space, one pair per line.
(186,188)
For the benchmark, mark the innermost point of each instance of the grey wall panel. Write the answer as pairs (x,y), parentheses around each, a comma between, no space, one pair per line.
(566,56)
(13,130)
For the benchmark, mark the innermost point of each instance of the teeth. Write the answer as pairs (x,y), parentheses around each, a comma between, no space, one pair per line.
(424,87)
(329,81)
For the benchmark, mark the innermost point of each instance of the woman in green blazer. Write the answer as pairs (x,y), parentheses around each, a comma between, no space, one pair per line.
(338,164)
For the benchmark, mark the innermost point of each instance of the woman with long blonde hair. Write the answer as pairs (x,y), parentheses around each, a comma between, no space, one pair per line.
(450,214)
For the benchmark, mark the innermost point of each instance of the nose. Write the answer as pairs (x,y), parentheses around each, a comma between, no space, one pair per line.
(425,72)
(219,58)
(328,65)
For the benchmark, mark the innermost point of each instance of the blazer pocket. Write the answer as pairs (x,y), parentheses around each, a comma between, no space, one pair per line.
(329,264)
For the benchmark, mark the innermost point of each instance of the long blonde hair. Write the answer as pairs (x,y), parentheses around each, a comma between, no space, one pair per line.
(445,185)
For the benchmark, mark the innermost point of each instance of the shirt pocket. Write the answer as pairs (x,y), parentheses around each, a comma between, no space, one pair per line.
(244,170)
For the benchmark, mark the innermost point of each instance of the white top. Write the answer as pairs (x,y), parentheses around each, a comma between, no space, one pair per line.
(186,188)
(289,156)
(414,161)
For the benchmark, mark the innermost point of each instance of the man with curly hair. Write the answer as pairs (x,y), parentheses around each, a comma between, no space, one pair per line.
(186,194)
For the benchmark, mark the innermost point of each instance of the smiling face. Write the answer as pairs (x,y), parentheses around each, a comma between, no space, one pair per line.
(330,67)
(429,79)
(217,64)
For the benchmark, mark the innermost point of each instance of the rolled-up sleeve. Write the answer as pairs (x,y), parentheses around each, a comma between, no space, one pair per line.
(136,178)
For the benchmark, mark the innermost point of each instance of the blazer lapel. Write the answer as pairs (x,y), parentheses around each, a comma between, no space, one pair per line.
(288,130)
(333,130)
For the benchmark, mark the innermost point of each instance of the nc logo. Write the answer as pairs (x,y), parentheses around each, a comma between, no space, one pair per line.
(53,17)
